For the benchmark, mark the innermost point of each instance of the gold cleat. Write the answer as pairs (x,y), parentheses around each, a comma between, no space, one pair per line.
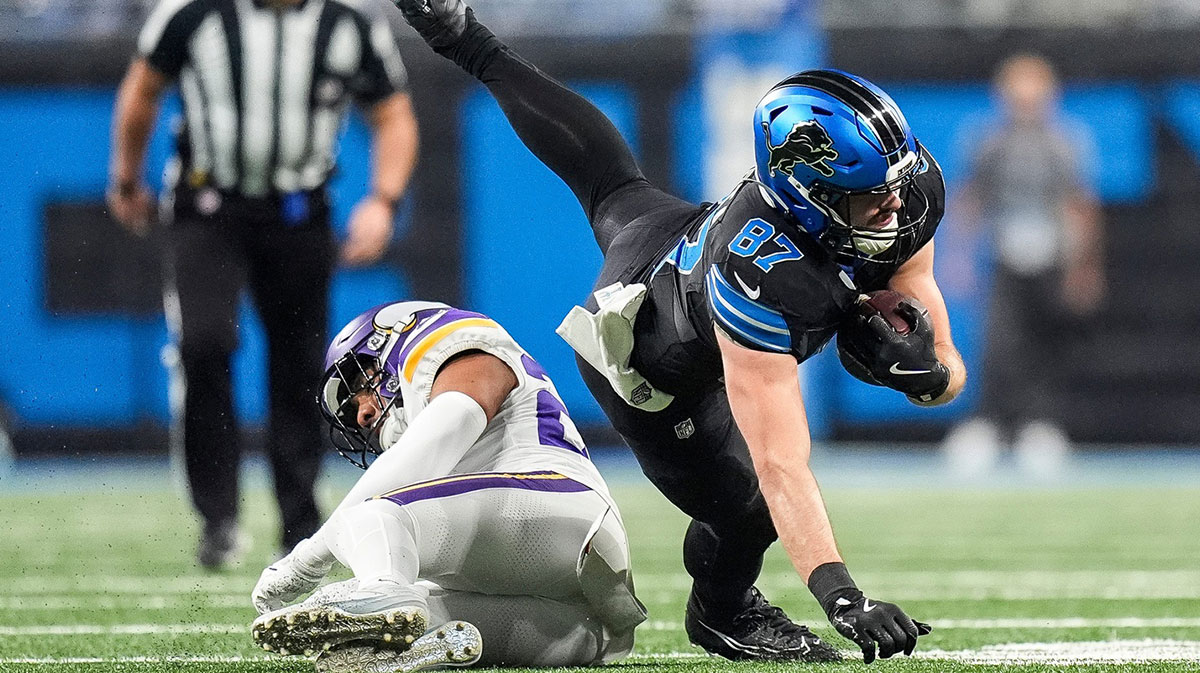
(295,630)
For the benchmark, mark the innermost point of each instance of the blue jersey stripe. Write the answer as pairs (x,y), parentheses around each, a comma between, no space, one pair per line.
(746,318)
(766,318)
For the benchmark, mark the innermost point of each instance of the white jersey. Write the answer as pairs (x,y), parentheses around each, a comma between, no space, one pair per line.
(531,431)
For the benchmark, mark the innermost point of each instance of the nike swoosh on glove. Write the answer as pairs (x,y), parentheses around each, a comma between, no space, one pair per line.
(872,351)
(870,624)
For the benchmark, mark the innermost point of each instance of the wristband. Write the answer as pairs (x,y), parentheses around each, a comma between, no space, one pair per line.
(829,581)
(936,392)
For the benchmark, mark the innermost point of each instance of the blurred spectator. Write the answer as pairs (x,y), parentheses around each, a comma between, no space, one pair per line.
(265,87)
(1028,193)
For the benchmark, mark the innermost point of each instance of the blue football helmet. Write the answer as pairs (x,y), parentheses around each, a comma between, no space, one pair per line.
(822,136)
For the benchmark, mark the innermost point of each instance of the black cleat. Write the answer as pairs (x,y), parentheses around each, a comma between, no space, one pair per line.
(440,22)
(760,632)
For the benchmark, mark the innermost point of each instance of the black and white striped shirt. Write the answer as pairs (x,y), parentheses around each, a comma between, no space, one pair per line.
(265,89)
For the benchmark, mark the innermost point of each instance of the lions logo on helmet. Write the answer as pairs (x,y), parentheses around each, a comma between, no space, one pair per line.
(807,143)
(876,154)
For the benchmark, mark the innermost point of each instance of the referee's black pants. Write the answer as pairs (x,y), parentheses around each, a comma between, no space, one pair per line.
(1023,349)
(692,451)
(245,244)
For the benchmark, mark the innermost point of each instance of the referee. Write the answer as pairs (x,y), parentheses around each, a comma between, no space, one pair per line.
(265,86)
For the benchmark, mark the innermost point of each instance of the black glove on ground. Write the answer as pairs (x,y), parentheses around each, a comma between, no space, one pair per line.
(869,624)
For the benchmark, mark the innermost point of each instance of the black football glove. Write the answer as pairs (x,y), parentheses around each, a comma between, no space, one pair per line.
(869,623)
(440,22)
(862,620)
(874,352)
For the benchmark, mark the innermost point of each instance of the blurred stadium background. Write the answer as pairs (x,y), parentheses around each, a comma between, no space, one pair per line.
(81,320)
(82,336)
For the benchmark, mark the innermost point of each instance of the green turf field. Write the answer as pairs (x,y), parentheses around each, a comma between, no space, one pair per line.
(103,580)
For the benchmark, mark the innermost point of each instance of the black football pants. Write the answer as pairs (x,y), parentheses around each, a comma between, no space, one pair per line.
(287,270)
(692,451)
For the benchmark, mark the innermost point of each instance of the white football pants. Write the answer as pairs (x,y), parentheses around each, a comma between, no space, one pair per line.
(543,575)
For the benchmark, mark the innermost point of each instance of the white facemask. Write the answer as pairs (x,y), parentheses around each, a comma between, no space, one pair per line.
(879,240)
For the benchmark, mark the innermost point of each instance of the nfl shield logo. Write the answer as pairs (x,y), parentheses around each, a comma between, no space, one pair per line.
(685,429)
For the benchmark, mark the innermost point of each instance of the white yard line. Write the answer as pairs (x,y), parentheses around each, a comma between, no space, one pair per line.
(1070,623)
(127,584)
(54,661)
(1074,654)
(1063,654)
(91,601)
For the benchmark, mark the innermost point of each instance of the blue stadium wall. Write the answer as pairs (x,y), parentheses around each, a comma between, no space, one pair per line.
(524,252)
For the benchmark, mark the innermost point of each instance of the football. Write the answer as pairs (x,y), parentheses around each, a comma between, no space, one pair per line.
(885,303)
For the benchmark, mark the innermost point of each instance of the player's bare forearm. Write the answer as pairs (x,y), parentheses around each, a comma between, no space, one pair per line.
(136,110)
(764,395)
(915,279)
(394,146)
(797,508)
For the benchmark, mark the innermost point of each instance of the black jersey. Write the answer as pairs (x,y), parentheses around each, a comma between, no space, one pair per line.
(745,266)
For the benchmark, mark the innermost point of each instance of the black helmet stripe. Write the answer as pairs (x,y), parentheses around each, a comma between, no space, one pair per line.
(883,118)
(879,112)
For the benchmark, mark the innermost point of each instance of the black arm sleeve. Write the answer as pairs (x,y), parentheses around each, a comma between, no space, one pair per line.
(562,129)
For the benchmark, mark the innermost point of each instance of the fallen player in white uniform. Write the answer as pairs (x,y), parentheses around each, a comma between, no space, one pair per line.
(482,514)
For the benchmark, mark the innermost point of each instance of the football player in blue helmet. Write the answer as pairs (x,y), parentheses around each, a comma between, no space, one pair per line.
(701,312)
(827,140)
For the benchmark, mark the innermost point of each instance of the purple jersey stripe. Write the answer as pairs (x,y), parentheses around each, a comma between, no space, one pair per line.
(413,339)
(440,488)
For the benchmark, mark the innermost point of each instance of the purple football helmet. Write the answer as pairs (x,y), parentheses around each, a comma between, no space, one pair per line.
(358,362)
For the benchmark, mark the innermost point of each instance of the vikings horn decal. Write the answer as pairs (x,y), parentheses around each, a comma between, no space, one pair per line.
(807,143)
